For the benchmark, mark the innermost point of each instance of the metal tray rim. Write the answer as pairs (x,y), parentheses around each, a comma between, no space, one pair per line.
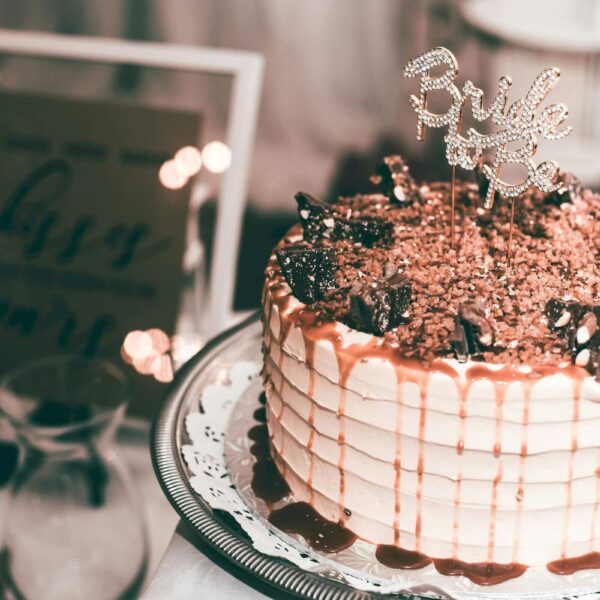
(165,442)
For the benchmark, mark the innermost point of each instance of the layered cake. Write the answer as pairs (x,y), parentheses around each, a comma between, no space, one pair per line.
(436,397)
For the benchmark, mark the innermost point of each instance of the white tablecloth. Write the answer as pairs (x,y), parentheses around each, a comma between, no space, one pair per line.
(190,570)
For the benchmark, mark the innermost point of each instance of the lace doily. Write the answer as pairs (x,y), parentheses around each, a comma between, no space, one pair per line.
(220,463)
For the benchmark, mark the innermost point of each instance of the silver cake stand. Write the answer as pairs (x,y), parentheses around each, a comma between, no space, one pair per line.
(168,435)
(211,369)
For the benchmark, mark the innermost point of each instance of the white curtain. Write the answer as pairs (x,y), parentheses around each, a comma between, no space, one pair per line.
(332,82)
(333,70)
(333,78)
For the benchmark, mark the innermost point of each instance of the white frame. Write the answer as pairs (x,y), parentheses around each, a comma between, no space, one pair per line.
(246,68)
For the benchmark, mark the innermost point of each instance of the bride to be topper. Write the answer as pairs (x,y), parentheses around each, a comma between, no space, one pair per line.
(519,124)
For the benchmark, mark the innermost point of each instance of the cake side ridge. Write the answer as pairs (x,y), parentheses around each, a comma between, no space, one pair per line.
(480,456)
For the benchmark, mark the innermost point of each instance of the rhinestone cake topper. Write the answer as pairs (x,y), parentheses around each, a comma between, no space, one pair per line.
(519,123)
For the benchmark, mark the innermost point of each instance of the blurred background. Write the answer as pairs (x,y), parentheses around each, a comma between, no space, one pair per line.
(334,99)
(333,102)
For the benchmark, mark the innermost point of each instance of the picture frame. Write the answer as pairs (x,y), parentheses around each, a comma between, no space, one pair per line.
(246,70)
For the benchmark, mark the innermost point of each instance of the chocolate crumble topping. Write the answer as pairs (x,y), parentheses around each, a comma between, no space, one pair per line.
(556,255)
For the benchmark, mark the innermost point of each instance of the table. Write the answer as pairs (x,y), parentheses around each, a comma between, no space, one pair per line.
(191,570)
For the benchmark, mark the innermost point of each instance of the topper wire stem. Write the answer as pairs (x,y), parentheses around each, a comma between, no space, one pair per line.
(453,201)
(493,196)
(421,128)
(453,194)
(510,232)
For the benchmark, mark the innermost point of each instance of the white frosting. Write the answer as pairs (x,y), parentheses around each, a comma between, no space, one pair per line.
(525,488)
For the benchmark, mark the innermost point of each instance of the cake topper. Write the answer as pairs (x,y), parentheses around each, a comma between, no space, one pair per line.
(520,122)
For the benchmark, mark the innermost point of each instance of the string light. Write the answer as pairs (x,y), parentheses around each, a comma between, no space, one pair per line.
(188,160)
(170,176)
(216,157)
(162,369)
(184,346)
(137,345)
(148,352)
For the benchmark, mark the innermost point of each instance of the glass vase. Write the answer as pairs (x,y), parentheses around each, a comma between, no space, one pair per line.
(74,525)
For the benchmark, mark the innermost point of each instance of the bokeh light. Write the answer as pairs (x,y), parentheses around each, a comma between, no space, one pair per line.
(137,345)
(145,366)
(148,352)
(216,157)
(188,160)
(192,256)
(170,176)
(184,346)
(162,369)
(160,340)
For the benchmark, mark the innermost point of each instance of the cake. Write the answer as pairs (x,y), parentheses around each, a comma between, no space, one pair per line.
(440,398)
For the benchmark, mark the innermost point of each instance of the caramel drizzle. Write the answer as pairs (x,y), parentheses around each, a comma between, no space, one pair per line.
(344,369)
(568,566)
(523,456)
(574,445)
(596,503)
(500,393)
(328,536)
(311,441)
(463,389)
(266,316)
(463,392)
(483,573)
(420,464)
(342,454)
(456,515)
(314,328)
(309,347)
(398,455)
(493,512)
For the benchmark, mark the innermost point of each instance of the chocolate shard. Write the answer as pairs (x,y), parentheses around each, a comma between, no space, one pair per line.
(583,358)
(473,332)
(570,189)
(558,313)
(365,230)
(395,180)
(310,272)
(586,328)
(316,217)
(589,359)
(459,341)
(579,325)
(379,306)
(567,318)
(320,222)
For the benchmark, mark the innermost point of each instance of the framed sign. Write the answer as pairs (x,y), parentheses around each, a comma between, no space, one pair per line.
(91,245)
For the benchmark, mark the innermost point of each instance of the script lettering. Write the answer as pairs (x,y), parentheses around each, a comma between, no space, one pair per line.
(520,123)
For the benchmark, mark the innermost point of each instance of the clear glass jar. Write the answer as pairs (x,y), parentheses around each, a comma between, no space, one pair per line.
(74,526)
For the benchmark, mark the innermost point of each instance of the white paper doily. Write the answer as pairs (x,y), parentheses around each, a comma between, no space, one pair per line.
(220,462)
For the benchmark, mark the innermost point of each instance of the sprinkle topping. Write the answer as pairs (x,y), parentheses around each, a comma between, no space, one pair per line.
(555,256)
